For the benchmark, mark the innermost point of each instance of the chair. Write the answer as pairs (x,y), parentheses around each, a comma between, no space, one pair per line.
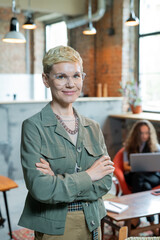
(119,173)
(123,235)
(5,185)
(143,238)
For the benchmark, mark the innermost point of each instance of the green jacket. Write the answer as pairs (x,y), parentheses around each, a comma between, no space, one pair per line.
(48,196)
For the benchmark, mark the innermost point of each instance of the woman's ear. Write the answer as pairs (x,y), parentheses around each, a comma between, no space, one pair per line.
(45,80)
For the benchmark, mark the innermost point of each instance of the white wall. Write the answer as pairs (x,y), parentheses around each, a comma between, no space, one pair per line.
(25,86)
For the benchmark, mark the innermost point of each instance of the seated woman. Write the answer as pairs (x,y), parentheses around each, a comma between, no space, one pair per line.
(141,139)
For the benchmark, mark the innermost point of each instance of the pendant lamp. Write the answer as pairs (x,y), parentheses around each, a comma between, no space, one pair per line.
(29,24)
(14,36)
(132,20)
(90,30)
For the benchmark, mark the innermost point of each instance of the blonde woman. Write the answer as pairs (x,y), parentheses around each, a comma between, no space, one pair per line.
(65,162)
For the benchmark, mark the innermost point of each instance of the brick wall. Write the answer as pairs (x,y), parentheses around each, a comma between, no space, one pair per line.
(12,59)
(85,45)
(107,59)
(102,53)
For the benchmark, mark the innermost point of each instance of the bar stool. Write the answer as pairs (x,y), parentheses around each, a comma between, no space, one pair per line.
(5,185)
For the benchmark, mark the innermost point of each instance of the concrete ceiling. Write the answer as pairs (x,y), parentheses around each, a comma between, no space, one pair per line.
(62,7)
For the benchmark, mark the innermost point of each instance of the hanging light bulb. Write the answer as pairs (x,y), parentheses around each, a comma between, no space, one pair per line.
(29,24)
(90,30)
(132,20)
(14,36)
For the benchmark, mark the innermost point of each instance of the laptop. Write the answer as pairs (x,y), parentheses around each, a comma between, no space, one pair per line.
(145,162)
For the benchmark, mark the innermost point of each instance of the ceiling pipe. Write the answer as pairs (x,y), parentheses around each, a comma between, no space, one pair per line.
(77,22)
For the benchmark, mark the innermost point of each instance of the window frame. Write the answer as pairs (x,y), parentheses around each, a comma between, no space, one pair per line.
(138,62)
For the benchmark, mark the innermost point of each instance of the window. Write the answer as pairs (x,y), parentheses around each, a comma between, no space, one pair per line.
(149,54)
(56,34)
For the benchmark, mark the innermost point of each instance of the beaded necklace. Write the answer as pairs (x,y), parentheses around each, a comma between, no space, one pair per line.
(65,126)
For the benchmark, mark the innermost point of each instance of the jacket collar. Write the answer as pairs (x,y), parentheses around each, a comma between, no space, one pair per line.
(47,115)
(49,119)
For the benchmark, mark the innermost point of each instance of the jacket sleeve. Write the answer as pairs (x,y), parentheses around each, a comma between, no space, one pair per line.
(102,186)
(46,188)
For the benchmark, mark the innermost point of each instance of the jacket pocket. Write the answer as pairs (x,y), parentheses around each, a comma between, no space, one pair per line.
(57,158)
(94,150)
(91,154)
(54,152)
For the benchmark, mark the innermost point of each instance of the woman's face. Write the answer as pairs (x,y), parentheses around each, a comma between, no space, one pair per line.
(144,133)
(65,82)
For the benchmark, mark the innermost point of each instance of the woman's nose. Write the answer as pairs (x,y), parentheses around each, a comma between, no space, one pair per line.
(70,82)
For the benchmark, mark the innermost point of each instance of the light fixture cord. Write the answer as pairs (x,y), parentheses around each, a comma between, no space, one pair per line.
(112,13)
(14,7)
(29,5)
(90,11)
(29,9)
(131,5)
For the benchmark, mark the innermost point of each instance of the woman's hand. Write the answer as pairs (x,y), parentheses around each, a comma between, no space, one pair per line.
(126,166)
(101,167)
(43,166)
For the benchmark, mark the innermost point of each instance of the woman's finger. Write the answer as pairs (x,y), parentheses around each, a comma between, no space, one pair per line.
(104,158)
(110,171)
(46,171)
(42,165)
(109,162)
(44,161)
(42,170)
(109,167)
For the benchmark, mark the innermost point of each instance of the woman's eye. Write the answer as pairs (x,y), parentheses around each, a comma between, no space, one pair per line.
(77,76)
(60,77)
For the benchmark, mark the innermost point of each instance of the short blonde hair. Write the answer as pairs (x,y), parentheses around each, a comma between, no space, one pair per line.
(60,54)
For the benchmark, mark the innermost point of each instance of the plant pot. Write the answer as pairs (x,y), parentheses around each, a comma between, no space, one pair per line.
(136,109)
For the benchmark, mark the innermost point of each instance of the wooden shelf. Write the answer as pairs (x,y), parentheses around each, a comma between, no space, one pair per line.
(144,115)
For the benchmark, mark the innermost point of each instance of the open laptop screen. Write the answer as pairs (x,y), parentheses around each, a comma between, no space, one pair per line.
(145,162)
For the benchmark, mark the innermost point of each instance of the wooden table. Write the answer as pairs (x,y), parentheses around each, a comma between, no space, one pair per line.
(142,204)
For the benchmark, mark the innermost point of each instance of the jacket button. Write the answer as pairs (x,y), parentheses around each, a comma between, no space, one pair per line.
(79,193)
(79,149)
(87,204)
(92,223)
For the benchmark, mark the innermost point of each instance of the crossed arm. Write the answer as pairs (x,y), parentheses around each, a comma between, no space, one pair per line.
(101,167)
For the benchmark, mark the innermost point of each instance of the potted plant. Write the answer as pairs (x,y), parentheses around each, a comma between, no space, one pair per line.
(131,92)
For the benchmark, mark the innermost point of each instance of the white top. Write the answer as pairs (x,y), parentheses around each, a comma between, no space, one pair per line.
(70,123)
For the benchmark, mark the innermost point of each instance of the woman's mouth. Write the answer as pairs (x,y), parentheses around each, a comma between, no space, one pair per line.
(69,93)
